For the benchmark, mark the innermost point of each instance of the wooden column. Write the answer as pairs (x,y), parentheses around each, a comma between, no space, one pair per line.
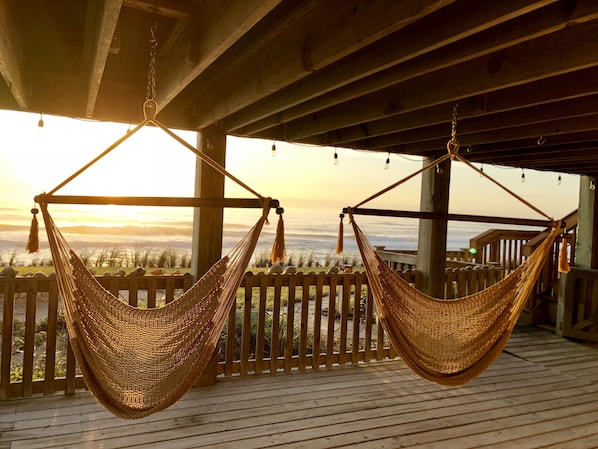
(586,251)
(431,248)
(208,221)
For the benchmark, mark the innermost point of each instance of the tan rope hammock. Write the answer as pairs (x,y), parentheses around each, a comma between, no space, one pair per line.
(450,341)
(135,361)
(139,361)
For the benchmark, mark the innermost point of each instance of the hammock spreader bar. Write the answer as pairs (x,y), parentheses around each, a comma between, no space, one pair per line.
(452,217)
(241,203)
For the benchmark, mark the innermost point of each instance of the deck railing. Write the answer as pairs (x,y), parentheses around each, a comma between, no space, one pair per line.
(578,305)
(279,323)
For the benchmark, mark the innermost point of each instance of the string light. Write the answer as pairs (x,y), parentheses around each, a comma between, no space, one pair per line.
(387,163)
(40,125)
(273,149)
(559,180)
(593,184)
(335,158)
(522,176)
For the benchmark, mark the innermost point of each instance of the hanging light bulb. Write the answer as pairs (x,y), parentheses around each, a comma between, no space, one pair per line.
(40,125)
(522,176)
(387,163)
(593,184)
(335,158)
(559,180)
(482,171)
(273,149)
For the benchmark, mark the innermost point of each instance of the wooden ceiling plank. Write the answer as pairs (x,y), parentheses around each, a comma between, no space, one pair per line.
(544,129)
(220,25)
(325,35)
(468,25)
(524,116)
(523,63)
(99,39)
(175,9)
(574,85)
(11,56)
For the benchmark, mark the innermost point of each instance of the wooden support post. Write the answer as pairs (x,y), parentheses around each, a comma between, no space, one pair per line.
(431,250)
(586,251)
(208,222)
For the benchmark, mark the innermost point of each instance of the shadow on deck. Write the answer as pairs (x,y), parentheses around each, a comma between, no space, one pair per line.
(542,392)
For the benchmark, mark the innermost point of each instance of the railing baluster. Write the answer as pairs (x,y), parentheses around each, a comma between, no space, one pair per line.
(290,329)
(369,324)
(356,319)
(29,348)
(275,344)
(70,370)
(331,321)
(346,291)
(7,332)
(51,337)
(261,326)
(303,335)
(229,354)
(317,323)
(246,329)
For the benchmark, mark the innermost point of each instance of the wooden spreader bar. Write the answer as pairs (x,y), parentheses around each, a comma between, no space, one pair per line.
(451,217)
(241,203)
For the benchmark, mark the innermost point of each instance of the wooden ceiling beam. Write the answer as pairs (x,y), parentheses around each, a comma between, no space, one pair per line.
(546,92)
(11,56)
(175,9)
(524,116)
(587,123)
(467,33)
(323,36)
(213,30)
(523,63)
(99,37)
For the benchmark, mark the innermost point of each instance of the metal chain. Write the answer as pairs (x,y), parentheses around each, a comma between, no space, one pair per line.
(151,75)
(453,145)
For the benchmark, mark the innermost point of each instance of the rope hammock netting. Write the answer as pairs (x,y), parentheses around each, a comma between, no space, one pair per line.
(451,341)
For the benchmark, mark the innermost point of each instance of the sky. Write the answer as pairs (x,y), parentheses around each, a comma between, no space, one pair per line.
(34,160)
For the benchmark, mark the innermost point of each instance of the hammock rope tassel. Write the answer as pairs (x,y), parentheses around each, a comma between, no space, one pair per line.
(339,242)
(33,240)
(278,253)
(563,256)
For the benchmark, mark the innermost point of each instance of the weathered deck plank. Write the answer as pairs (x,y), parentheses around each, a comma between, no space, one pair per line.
(530,397)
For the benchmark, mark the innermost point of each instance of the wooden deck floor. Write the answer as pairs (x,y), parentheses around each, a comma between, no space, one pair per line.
(542,392)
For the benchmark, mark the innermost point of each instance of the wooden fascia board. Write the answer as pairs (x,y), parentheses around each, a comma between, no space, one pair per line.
(101,37)
(11,58)
(523,63)
(481,28)
(303,48)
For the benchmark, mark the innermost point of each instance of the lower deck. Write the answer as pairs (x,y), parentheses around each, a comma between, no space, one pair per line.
(541,392)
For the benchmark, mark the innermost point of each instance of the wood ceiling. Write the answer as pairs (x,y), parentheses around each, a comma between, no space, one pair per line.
(376,75)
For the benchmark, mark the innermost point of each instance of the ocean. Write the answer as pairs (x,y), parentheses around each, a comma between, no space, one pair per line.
(309,233)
